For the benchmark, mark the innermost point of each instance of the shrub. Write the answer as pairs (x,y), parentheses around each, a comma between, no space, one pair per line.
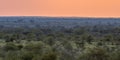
(10,47)
(94,54)
(49,56)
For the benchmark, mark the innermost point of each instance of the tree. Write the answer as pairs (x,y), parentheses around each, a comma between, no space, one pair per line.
(35,47)
(49,40)
(27,55)
(10,47)
(88,38)
(49,56)
(94,54)
(115,55)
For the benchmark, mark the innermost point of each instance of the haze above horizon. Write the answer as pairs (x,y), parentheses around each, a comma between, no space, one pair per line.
(60,8)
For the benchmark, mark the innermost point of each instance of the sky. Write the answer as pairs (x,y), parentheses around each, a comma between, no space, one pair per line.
(77,8)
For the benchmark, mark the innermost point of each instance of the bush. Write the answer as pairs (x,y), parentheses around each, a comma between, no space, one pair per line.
(27,56)
(94,54)
(49,56)
(12,56)
(115,56)
(10,47)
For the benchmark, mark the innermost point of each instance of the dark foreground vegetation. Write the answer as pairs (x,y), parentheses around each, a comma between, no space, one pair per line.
(88,42)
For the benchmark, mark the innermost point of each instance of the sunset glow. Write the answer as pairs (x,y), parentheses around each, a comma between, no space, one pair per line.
(82,8)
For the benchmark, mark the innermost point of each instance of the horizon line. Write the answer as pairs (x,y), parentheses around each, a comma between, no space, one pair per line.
(58,16)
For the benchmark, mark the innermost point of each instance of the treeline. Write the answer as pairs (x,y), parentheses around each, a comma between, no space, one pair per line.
(68,22)
(78,43)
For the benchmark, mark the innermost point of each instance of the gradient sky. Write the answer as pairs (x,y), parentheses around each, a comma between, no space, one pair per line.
(83,8)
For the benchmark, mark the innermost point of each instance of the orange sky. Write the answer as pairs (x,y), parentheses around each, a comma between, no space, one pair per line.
(83,8)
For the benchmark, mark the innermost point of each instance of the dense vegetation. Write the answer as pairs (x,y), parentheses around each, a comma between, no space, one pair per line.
(88,42)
